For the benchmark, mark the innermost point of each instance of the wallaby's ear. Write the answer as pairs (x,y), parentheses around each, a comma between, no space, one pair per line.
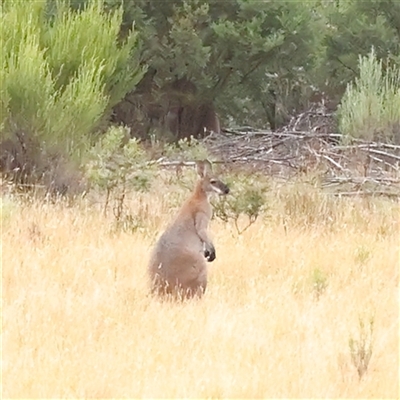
(203,168)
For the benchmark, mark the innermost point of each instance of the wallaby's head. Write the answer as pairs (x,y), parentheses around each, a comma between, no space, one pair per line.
(209,183)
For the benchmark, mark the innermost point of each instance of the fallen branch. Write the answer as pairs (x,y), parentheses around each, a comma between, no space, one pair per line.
(365,193)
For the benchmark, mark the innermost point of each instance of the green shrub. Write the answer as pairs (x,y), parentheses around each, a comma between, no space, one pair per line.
(61,74)
(67,41)
(117,168)
(370,108)
(247,199)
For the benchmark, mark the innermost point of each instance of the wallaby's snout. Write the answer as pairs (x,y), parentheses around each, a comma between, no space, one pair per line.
(219,187)
(208,180)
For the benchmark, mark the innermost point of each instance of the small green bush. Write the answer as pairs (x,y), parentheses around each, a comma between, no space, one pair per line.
(246,199)
(117,165)
(370,108)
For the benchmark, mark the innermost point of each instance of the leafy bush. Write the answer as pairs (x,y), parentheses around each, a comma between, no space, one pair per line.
(370,108)
(61,73)
(117,167)
(247,199)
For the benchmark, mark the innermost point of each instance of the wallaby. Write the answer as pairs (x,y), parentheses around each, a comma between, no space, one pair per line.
(177,264)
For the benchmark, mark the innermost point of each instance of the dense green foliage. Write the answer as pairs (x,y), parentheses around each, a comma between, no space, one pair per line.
(258,62)
(370,108)
(69,69)
(62,71)
(352,29)
(242,56)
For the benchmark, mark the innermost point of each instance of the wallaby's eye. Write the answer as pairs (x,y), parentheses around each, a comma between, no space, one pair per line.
(213,181)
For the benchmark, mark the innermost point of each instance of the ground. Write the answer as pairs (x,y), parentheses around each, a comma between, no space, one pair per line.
(294,305)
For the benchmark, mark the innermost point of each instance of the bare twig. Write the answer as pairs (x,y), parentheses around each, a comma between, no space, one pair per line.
(336,164)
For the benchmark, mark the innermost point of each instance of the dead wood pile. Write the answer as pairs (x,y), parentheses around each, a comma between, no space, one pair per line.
(310,144)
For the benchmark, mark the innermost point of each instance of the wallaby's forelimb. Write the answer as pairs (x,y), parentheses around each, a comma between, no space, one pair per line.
(210,254)
(201,224)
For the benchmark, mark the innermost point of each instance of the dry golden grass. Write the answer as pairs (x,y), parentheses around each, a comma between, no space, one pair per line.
(283,300)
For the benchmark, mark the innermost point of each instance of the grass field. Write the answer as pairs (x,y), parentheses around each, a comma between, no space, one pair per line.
(294,305)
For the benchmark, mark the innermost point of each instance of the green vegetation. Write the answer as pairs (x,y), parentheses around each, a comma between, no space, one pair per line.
(370,107)
(71,70)
(61,74)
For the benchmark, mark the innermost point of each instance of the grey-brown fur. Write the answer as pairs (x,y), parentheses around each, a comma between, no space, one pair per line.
(178,261)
